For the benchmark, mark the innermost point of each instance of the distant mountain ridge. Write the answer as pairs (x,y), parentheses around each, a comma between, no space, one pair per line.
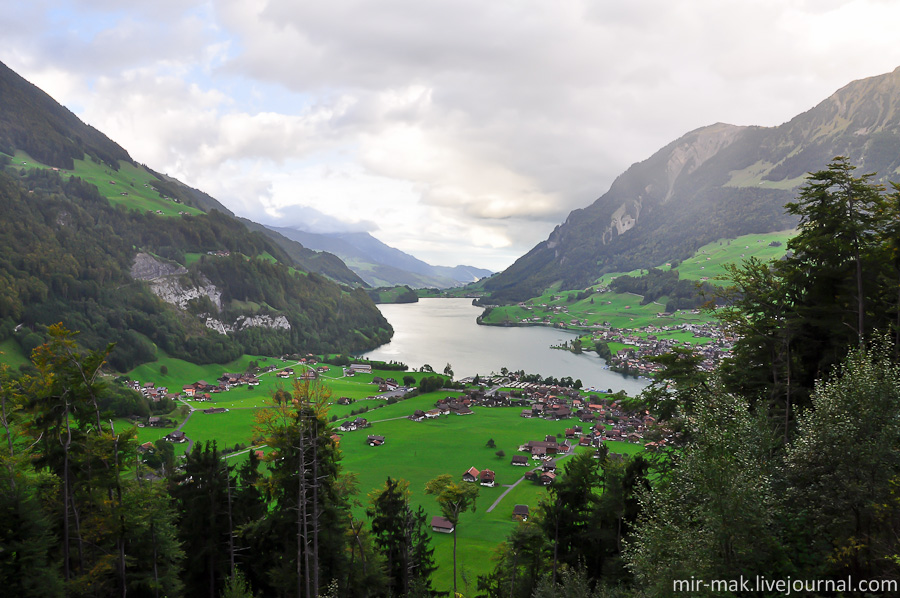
(717,181)
(380,264)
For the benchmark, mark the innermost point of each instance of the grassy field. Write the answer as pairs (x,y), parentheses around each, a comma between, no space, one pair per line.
(128,186)
(414,451)
(11,353)
(419,451)
(623,310)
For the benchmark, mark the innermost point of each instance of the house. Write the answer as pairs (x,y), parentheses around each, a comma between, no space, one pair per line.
(520,512)
(351,425)
(375,440)
(360,368)
(433,413)
(344,401)
(417,416)
(471,475)
(487,478)
(460,409)
(545,447)
(520,460)
(176,436)
(146,447)
(547,478)
(442,525)
(153,421)
(549,465)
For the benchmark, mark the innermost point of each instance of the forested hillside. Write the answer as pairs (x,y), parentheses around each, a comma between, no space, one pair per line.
(66,255)
(207,288)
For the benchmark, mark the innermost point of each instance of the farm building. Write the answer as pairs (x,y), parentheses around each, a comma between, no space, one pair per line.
(471,475)
(520,512)
(441,524)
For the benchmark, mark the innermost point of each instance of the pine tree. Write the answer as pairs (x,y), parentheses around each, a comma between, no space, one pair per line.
(402,539)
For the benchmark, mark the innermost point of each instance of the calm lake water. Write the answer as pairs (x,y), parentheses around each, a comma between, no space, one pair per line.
(442,331)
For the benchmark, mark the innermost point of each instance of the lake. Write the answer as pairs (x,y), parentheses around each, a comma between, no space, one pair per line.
(442,331)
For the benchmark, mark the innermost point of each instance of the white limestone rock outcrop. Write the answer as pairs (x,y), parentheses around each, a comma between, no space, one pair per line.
(170,282)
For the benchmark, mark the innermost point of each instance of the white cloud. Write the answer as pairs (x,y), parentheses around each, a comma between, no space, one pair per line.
(458,128)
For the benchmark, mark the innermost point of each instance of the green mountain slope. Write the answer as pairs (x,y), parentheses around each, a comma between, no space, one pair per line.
(720,181)
(125,256)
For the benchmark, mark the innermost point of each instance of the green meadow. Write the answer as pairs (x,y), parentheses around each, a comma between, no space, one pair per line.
(624,310)
(11,353)
(129,185)
(419,451)
(413,451)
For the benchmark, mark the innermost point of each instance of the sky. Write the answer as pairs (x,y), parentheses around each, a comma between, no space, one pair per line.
(459,131)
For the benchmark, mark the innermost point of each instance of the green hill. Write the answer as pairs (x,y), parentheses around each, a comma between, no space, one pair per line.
(113,250)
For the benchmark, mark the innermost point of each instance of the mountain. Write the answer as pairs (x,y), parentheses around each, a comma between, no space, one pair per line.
(127,256)
(715,182)
(380,264)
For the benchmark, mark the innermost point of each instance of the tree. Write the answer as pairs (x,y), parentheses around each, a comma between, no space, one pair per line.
(26,563)
(491,443)
(448,371)
(838,224)
(568,515)
(712,515)
(310,513)
(844,463)
(201,494)
(454,500)
(520,562)
(500,454)
(402,538)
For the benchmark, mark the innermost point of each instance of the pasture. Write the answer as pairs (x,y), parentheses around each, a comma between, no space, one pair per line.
(413,451)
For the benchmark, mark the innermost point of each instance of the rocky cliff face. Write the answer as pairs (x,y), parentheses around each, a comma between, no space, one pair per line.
(171,283)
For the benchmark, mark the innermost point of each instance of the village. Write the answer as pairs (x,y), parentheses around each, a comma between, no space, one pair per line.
(643,344)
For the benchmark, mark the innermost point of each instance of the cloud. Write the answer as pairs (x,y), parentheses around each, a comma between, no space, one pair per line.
(308,219)
(457,128)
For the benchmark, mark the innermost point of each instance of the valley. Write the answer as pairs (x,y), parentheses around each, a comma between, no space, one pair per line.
(446,444)
(694,376)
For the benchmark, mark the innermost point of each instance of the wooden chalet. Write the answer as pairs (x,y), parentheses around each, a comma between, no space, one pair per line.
(471,475)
